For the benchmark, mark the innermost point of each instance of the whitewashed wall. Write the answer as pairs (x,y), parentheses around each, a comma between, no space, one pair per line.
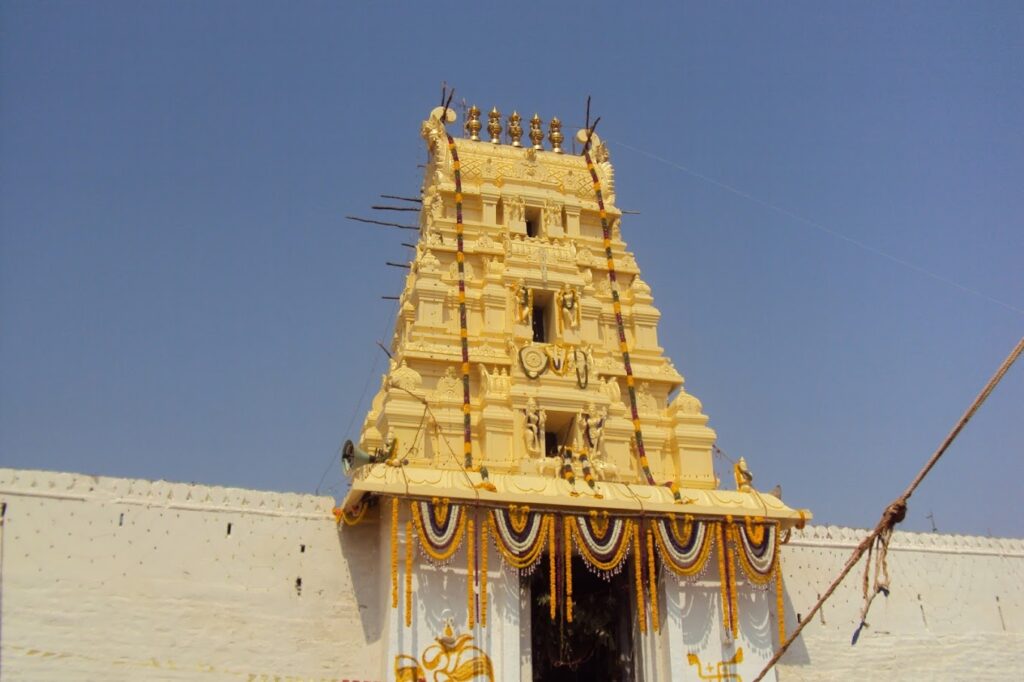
(956,610)
(116,579)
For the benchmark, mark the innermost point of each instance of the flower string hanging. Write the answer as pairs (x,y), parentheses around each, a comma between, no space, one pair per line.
(394,553)
(641,615)
(620,327)
(460,258)
(470,575)
(520,535)
(484,551)
(439,525)
(409,538)
(652,579)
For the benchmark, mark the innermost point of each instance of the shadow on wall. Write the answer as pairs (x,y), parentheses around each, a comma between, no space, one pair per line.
(360,549)
(797,653)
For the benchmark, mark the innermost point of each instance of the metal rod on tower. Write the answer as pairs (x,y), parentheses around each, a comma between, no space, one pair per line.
(381,222)
(394,208)
(397,265)
(395,196)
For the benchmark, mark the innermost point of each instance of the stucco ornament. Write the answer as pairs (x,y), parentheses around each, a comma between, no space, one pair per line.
(590,428)
(406,377)
(536,420)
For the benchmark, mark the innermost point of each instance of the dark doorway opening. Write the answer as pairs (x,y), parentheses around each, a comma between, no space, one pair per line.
(598,644)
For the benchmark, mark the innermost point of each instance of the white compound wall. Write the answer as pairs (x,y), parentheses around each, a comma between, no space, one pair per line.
(117,579)
(955,612)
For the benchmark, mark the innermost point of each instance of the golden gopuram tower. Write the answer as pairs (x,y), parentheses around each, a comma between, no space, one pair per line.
(529,411)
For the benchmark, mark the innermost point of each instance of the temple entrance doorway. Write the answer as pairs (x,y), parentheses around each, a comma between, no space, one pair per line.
(598,644)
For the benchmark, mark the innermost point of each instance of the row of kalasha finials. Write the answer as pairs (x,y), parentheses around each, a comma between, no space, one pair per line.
(515,129)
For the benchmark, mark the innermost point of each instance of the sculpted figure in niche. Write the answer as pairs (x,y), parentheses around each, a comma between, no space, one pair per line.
(535,423)
(515,209)
(448,384)
(610,387)
(497,382)
(590,429)
(568,308)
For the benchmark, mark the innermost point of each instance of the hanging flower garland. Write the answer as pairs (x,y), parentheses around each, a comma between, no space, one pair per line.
(603,542)
(519,535)
(484,551)
(727,578)
(352,515)
(684,551)
(552,568)
(652,580)
(588,474)
(638,562)
(460,258)
(617,307)
(439,525)
(757,551)
(470,574)
(567,473)
(394,553)
(408,573)
(567,536)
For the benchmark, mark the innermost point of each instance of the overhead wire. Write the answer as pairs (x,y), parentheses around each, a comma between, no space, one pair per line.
(822,228)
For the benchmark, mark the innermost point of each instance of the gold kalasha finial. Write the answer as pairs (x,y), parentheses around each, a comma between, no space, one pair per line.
(515,129)
(494,125)
(555,135)
(537,132)
(473,124)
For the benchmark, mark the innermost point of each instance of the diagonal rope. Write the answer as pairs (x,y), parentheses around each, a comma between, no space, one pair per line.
(897,510)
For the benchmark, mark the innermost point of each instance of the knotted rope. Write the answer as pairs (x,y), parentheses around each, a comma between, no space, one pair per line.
(892,515)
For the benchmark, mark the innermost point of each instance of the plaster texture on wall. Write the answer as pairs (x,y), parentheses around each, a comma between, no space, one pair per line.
(955,612)
(117,579)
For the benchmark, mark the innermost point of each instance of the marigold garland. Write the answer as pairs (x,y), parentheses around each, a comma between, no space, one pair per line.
(780,607)
(610,538)
(568,569)
(755,528)
(758,563)
(620,327)
(552,569)
(641,614)
(439,553)
(730,569)
(460,258)
(394,553)
(652,579)
(408,573)
(521,545)
(685,554)
(723,578)
(484,551)
(470,575)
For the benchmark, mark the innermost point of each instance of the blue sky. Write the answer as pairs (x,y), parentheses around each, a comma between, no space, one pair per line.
(181,298)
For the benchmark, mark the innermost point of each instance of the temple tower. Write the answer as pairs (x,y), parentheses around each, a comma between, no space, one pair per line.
(528,390)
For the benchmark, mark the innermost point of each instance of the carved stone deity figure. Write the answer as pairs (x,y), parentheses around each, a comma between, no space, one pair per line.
(496,383)
(552,215)
(568,307)
(522,297)
(535,423)
(515,208)
(590,429)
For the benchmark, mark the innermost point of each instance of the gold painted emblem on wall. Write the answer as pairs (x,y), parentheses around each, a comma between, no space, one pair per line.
(451,658)
(718,671)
